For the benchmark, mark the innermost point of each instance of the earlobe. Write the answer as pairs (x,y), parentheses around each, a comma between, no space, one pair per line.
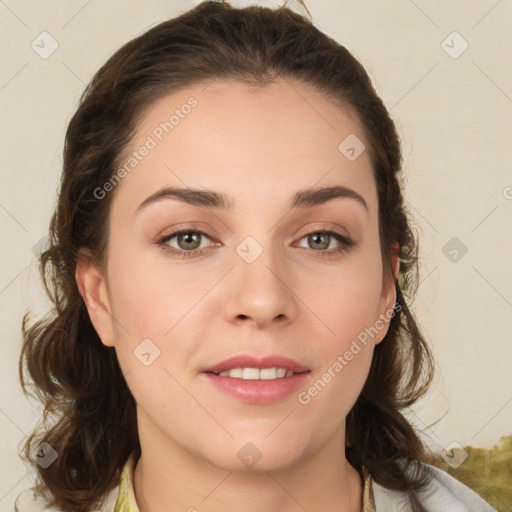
(388,296)
(93,289)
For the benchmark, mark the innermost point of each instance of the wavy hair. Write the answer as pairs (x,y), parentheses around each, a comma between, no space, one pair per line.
(77,378)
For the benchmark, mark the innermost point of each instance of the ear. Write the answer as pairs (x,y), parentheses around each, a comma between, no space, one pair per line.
(93,289)
(388,295)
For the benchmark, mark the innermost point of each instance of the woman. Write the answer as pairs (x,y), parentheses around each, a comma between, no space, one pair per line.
(228,331)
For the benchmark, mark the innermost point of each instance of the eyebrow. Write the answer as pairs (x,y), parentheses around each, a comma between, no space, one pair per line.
(211,199)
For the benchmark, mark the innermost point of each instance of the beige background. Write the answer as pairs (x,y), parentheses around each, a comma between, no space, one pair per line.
(453,112)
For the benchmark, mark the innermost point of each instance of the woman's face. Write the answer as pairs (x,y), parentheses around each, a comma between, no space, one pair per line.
(254,275)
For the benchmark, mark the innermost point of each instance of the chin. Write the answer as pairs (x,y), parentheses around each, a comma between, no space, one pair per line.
(258,455)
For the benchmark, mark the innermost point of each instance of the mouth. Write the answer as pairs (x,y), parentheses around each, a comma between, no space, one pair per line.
(257,380)
(256,373)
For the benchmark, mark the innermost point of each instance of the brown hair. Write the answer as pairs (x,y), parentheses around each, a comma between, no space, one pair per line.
(75,376)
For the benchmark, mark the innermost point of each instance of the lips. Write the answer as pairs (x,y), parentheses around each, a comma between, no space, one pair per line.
(258,391)
(257,380)
(248,361)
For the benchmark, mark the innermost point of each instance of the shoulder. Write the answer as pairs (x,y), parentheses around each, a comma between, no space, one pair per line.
(443,492)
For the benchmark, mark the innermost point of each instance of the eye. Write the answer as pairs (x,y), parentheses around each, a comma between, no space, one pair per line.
(322,240)
(188,241)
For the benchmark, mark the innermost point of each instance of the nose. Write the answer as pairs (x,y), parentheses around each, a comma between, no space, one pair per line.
(260,292)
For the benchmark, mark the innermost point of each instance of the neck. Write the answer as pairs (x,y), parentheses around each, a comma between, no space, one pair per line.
(171,478)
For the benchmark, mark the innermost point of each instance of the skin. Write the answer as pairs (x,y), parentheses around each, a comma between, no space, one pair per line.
(257,146)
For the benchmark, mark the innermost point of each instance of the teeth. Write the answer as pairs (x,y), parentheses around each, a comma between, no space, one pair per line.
(256,373)
(237,373)
(268,373)
(251,374)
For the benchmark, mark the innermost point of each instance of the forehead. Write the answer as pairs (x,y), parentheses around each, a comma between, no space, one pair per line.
(250,142)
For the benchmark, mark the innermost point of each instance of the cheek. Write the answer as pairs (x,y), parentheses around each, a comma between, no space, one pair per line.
(347,306)
(334,391)
(164,304)
(150,299)
(346,302)
(344,355)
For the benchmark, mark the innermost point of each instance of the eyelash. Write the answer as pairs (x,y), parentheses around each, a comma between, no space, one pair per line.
(346,243)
